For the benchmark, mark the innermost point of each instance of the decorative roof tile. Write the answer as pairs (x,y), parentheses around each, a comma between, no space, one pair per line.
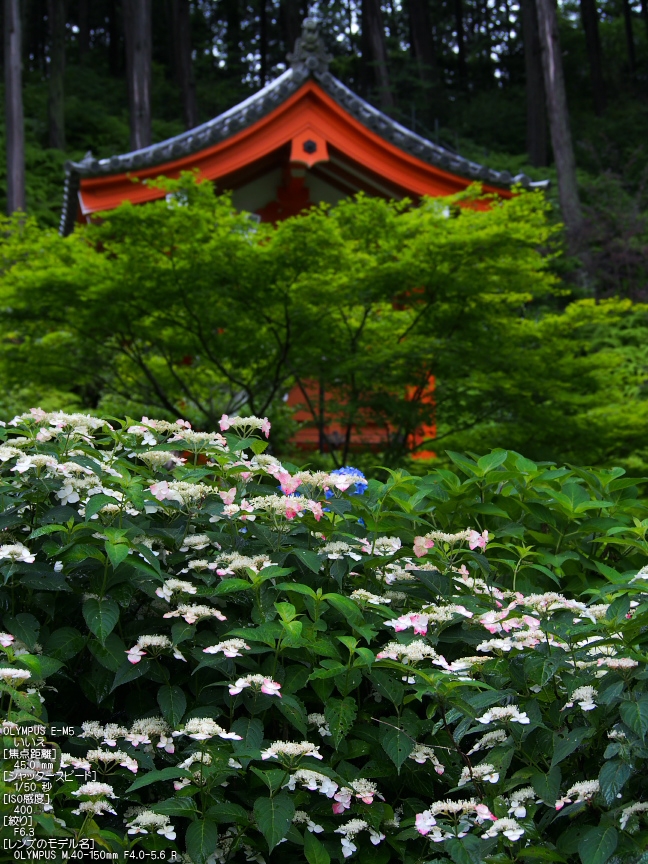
(309,59)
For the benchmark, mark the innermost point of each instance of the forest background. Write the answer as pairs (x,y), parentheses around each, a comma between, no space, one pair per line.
(464,73)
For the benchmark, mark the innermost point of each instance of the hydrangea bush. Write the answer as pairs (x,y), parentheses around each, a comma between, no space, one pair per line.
(263,663)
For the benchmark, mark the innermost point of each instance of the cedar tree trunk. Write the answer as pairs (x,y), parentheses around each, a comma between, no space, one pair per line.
(14,108)
(536,101)
(137,29)
(561,139)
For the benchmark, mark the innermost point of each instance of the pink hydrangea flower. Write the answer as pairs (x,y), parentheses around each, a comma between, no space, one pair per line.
(425,822)
(421,545)
(476,540)
(484,813)
(289,484)
(271,688)
(229,496)
(418,622)
(160,490)
(135,654)
(342,800)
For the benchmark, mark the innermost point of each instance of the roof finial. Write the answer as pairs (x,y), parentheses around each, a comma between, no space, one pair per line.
(309,54)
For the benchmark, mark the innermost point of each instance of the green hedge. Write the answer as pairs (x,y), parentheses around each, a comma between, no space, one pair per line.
(431,669)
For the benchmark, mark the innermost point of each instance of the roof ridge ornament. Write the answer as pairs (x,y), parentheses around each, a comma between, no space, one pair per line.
(310,55)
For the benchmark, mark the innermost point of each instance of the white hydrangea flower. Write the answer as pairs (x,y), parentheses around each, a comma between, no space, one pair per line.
(107,757)
(195,612)
(506,714)
(147,728)
(422,754)
(585,697)
(362,596)
(313,781)
(96,807)
(486,772)
(633,810)
(12,676)
(337,549)
(291,750)
(256,682)
(413,653)
(147,821)
(302,818)
(17,552)
(202,728)
(229,648)
(382,546)
(95,790)
(508,827)
(350,830)
(195,542)
(319,720)
(582,791)
(517,806)
(174,586)
(498,736)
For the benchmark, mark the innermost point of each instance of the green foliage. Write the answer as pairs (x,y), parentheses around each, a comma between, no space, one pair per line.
(454,666)
(369,300)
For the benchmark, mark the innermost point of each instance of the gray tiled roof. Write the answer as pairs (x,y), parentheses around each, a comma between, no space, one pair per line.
(309,59)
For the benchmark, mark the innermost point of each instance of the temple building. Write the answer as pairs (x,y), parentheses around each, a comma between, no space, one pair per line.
(303,139)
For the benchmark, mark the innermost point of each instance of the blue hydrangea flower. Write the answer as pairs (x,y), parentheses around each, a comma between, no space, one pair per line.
(358,488)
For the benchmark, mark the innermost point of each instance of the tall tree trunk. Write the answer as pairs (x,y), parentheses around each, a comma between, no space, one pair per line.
(589,17)
(263,40)
(536,101)
(84,29)
(14,107)
(137,29)
(561,139)
(423,45)
(373,33)
(184,66)
(461,44)
(56,13)
(627,20)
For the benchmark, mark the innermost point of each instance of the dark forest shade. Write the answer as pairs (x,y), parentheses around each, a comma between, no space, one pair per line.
(181,12)
(14,107)
(589,17)
(373,31)
(56,10)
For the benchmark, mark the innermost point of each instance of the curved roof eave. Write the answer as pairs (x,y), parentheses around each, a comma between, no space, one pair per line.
(259,105)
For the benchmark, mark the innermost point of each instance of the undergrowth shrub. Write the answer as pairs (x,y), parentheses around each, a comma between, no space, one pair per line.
(263,663)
